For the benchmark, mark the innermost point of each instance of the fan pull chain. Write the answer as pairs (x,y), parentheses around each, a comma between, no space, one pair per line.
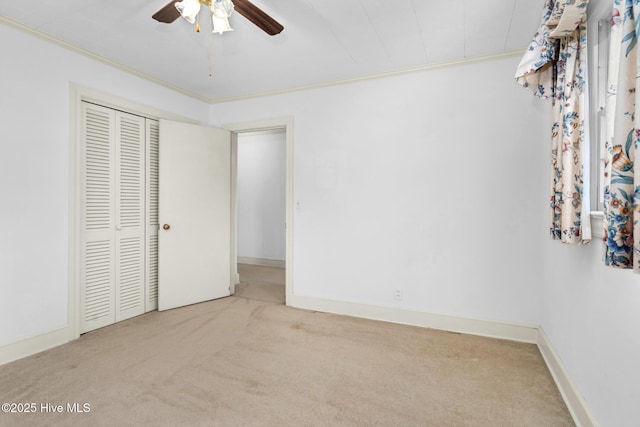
(198,24)
(210,55)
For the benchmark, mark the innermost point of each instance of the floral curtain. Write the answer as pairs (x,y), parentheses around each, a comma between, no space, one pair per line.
(554,67)
(622,184)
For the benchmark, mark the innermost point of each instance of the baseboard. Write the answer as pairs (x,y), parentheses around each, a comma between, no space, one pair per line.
(266,262)
(532,334)
(578,408)
(28,346)
(487,328)
(576,404)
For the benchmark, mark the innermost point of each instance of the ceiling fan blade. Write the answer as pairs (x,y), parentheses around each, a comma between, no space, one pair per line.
(256,15)
(167,14)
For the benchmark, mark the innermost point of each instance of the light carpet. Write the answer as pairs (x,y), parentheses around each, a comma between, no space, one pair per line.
(248,360)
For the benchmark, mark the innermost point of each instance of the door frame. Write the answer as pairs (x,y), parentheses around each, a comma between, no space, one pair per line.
(279,123)
(78,94)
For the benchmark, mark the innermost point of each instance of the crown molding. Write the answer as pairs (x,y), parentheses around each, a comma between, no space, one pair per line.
(92,55)
(392,73)
(137,73)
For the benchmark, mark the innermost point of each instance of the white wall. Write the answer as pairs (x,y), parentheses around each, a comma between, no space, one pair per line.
(261,195)
(591,314)
(427,181)
(592,318)
(437,182)
(35,77)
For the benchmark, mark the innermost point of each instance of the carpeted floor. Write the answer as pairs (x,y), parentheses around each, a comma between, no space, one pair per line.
(248,360)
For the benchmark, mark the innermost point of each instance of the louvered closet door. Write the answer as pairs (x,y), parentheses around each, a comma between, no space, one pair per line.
(98,225)
(114,218)
(152,215)
(130,215)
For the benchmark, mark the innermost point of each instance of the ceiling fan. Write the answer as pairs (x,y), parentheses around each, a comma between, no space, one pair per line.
(220,11)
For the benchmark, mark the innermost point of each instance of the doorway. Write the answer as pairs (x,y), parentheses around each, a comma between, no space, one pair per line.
(261,258)
(261,214)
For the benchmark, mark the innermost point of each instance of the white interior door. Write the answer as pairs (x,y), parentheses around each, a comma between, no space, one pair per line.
(194,214)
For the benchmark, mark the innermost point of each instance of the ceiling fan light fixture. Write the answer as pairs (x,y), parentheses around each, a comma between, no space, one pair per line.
(221,10)
(189,9)
(220,25)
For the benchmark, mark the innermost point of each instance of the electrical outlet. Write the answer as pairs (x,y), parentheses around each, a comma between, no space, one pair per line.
(397,294)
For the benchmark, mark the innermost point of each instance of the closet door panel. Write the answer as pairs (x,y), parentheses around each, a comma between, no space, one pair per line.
(152,215)
(130,214)
(98,207)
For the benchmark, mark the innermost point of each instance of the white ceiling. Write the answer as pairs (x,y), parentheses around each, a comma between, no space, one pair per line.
(323,40)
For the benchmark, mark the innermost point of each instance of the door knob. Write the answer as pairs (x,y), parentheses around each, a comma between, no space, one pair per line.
(166,226)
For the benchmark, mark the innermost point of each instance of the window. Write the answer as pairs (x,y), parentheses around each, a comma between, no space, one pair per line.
(599,31)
